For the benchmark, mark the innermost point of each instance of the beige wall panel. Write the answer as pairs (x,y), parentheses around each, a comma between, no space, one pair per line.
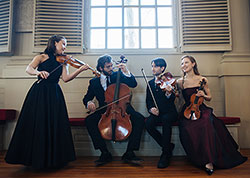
(237,104)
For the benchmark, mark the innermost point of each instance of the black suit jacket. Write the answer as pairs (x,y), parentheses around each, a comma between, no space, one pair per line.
(95,88)
(164,104)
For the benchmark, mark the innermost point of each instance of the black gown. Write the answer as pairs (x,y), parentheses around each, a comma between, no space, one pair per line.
(207,139)
(42,137)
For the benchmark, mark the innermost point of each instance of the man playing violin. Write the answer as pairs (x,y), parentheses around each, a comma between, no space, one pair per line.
(162,109)
(96,89)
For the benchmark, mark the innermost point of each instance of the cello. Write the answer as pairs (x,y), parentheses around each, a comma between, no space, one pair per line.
(115,123)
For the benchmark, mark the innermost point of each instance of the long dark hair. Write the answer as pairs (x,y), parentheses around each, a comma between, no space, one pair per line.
(192,59)
(51,48)
(195,68)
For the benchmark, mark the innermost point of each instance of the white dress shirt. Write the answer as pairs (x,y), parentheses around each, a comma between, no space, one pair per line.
(103,79)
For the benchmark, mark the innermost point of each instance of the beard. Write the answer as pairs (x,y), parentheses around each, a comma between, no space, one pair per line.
(107,74)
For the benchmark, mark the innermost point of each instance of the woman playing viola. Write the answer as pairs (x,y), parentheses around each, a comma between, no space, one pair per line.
(205,139)
(42,137)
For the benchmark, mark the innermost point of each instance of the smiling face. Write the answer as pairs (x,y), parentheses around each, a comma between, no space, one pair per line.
(157,70)
(186,65)
(61,46)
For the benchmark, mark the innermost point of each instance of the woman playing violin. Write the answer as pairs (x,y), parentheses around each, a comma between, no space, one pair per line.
(205,139)
(162,110)
(96,89)
(42,137)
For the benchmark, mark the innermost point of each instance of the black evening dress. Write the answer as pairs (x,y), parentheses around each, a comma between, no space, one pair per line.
(207,140)
(42,137)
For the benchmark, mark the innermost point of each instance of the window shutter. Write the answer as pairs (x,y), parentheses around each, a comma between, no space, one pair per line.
(62,17)
(5,25)
(205,25)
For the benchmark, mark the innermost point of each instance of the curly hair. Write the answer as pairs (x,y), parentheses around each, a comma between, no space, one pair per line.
(102,60)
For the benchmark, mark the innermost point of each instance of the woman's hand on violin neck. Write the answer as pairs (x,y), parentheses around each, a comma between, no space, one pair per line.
(91,106)
(200,93)
(84,67)
(43,74)
(154,111)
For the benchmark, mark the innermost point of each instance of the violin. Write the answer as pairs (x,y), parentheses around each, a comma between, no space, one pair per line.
(66,59)
(166,79)
(192,112)
(115,123)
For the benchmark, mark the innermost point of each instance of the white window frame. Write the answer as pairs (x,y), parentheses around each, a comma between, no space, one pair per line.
(131,51)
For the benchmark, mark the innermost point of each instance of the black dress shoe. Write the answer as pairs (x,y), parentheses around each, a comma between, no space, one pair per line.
(130,157)
(103,159)
(209,171)
(164,161)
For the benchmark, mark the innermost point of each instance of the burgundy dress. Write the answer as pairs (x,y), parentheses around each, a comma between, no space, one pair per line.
(207,139)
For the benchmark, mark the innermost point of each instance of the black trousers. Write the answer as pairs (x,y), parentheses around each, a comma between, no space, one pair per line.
(164,138)
(134,139)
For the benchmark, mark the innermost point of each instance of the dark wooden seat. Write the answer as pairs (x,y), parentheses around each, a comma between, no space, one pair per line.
(226,120)
(7,114)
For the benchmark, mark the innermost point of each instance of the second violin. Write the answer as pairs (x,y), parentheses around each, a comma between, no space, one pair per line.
(166,79)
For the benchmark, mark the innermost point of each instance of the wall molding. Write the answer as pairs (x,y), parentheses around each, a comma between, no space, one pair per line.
(234,64)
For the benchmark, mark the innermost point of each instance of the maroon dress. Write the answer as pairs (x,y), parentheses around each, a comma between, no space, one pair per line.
(207,139)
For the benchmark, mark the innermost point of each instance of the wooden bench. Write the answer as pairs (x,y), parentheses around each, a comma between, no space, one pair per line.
(5,115)
(226,120)
(149,147)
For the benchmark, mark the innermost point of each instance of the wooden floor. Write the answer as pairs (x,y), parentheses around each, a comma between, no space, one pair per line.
(84,167)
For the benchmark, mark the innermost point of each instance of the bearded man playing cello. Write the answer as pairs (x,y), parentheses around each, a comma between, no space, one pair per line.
(96,89)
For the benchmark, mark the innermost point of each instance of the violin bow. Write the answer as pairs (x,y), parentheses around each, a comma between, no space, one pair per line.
(146,80)
(54,70)
(98,109)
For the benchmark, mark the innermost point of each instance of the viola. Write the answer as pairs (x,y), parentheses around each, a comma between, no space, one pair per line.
(115,123)
(166,79)
(192,112)
(66,59)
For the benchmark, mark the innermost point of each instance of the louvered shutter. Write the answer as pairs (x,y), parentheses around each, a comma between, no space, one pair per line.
(63,17)
(5,25)
(205,25)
